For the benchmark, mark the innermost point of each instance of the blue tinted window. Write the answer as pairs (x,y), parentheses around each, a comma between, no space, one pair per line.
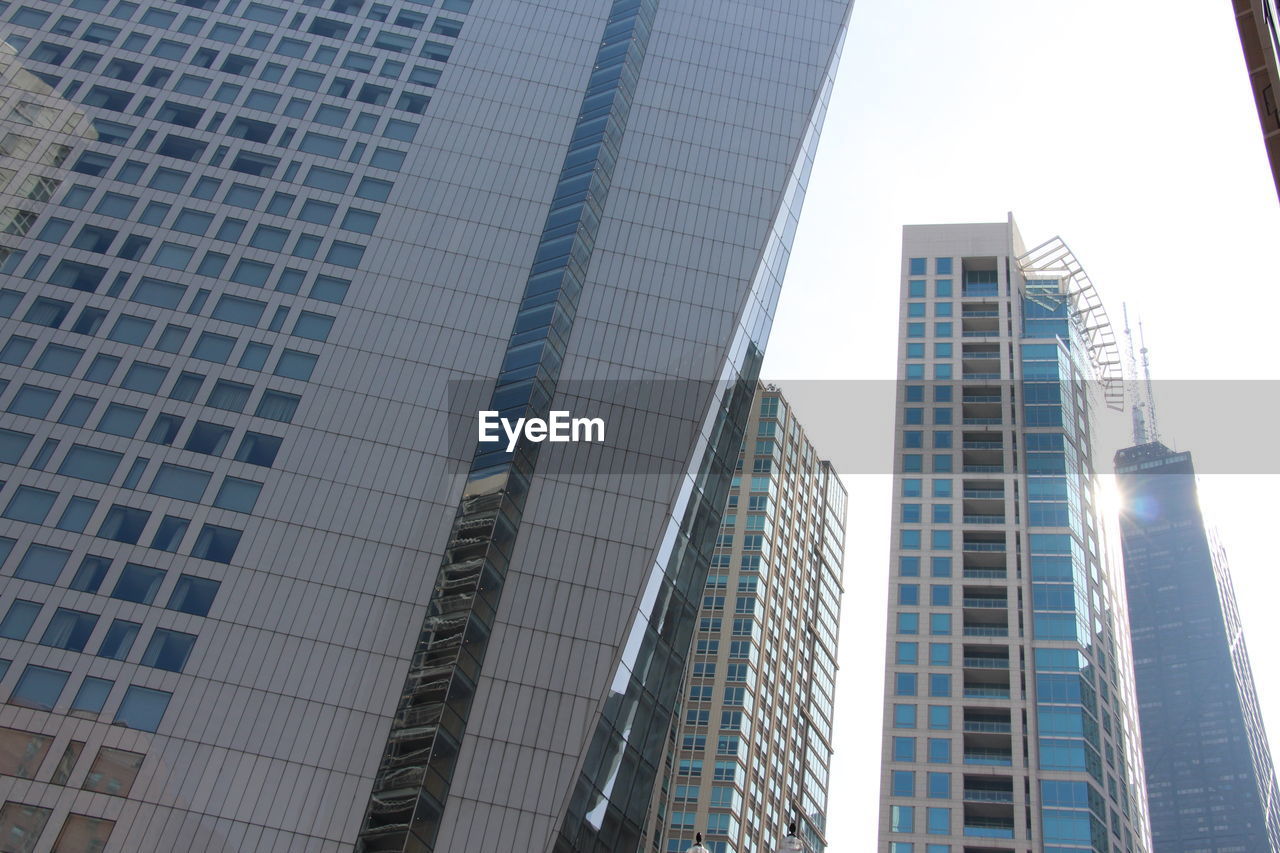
(39,687)
(142,708)
(138,583)
(19,619)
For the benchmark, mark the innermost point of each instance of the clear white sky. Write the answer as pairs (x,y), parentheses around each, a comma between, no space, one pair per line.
(1128,129)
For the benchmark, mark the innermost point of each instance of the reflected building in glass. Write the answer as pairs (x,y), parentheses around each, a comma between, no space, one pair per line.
(1010,725)
(262,263)
(750,751)
(1210,778)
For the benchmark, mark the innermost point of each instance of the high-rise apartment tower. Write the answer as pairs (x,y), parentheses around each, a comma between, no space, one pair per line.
(1259,24)
(751,749)
(1009,725)
(1211,783)
(264,261)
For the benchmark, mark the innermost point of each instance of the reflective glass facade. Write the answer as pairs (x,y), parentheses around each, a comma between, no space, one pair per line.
(750,750)
(1009,720)
(1210,778)
(249,247)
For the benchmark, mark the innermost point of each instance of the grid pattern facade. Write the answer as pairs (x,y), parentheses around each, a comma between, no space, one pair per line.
(1009,725)
(751,748)
(1210,778)
(246,246)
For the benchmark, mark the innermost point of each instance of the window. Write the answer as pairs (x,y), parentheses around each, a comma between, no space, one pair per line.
(124,524)
(69,629)
(39,687)
(142,708)
(939,717)
(178,481)
(258,449)
(119,639)
(88,578)
(138,583)
(235,309)
(217,544)
(91,696)
(75,516)
(213,347)
(143,377)
(904,749)
(21,753)
(22,824)
(168,650)
(18,620)
(82,832)
(278,406)
(231,396)
(295,365)
(59,359)
(208,438)
(43,564)
(90,463)
(236,494)
(939,750)
(30,504)
(121,420)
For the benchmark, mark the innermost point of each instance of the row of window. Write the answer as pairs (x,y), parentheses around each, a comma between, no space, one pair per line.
(79,832)
(225,394)
(920,266)
(42,688)
(71,630)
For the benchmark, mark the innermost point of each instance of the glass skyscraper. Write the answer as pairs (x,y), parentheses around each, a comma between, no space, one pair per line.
(262,262)
(1210,779)
(1009,718)
(751,750)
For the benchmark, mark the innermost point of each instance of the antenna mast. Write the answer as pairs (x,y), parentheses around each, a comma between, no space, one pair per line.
(1137,408)
(1150,402)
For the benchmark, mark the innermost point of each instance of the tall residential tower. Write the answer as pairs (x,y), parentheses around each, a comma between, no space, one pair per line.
(1259,24)
(751,751)
(1210,779)
(1009,724)
(263,589)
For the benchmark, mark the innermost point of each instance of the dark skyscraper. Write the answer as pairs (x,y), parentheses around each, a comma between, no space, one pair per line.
(1210,781)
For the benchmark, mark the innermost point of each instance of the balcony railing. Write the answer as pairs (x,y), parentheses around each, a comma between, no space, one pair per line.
(980,398)
(986,692)
(984,469)
(986,631)
(988,796)
(967,375)
(982,445)
(984,519)
(983,726)
(985,494)
(988,830)
(996,757)
(971,313)
(993,574)
(993,603)
(979,333)
(987,663)
(982,421)
(984,546)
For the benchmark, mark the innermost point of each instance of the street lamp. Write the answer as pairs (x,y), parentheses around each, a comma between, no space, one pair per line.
(791,843)
(697,845)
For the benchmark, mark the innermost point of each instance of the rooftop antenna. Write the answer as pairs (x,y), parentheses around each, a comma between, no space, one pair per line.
(1153,431)
(1138,407)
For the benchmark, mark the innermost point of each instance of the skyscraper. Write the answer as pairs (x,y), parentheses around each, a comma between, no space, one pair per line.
(1210,779)
(263,588)
(751,751)
(1009,723)
(1259,24)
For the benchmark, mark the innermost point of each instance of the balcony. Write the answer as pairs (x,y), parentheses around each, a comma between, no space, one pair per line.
(983,519)
(985,692)
(989,757)
(981,796)
(984,494)
(979,312)
(986,662)
(985,573)
(989,828)
(994,547)
(986,630)
(981,421)
(988,726)
(980,398)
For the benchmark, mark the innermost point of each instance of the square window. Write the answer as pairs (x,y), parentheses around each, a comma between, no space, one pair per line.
(124,524)
(91,696)
(138,583)
(168,650)
(39,687)
(18,620)
(142,708)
